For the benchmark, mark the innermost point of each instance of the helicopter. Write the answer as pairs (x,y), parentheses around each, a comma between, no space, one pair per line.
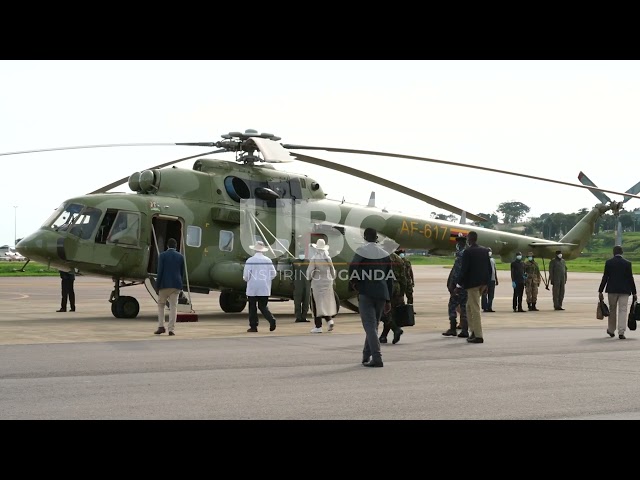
(219,208)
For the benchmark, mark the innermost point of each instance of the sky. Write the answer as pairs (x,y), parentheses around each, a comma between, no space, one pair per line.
(548,119)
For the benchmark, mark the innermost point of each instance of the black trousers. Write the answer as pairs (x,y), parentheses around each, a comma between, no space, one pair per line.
(68,294)
(517,296)
(255,304)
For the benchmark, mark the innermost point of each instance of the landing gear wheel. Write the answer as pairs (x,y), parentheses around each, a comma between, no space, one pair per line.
(125,307)
(232,302)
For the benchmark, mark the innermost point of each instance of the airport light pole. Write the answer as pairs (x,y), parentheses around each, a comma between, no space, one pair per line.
(15,225)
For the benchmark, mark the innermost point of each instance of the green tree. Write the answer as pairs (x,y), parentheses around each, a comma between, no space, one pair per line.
(513,211)
(492,220)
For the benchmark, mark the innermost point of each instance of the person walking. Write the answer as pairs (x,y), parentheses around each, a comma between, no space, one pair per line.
(259,272)
(169,282)
(398,291)
(517,282)
(301,288)
(487,297)
(371,276)
(558,279)
(532,281)
(618,281)
(474,278)
(68,293)
(322,274)
(457,297)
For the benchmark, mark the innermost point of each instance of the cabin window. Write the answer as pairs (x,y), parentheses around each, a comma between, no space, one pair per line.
(194,236)
(226,241)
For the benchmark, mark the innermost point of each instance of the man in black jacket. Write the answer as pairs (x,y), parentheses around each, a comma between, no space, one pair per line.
(474,277)
(370,274)
(68,293)
(618,279)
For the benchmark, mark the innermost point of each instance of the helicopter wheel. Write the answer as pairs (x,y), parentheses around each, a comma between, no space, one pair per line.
(125,307)
(232,302)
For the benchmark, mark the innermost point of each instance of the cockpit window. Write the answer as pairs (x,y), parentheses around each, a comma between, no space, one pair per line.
(126,229)
(85,223)
(63,217)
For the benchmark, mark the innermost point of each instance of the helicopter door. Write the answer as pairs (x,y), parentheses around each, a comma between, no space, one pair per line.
(163,228)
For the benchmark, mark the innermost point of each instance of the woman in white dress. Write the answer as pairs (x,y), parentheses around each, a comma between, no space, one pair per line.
(322,274)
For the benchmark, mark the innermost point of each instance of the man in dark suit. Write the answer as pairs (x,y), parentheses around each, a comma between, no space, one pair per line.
(169,283)
(474,277)
(371,275)
(619,283)
(68,292)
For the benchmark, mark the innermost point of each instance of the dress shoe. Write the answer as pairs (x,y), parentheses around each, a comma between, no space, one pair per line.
(449,333)
(272,326)
(373,363)
(365,359)
(171,334)
(621,337)
(521,310)
(159,330)
(396,336)
(72,310)
(252,329)
(475,340)
(463,334)
(62,310)
(611,334)
(472,336)
(300,320)
(490,310)
(383,339)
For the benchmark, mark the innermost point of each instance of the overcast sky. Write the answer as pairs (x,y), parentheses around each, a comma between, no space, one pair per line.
(545,118)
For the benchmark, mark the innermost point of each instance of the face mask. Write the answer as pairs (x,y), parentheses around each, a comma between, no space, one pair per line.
(301,256)
(559,255)
(402,255)
(490,253)
(518,257)
(530,259)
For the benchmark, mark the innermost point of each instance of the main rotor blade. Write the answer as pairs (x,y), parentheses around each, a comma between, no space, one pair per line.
(386,183)
(599,195)
(93,146)
(162,165)
(635,189)
(455,164)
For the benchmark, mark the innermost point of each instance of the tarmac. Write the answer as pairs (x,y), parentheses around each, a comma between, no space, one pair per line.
(545,365)
(28,311)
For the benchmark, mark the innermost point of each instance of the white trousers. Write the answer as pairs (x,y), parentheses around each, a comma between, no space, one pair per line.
(170,294)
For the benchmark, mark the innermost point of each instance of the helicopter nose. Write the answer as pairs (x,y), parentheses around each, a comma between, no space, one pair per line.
(42,246)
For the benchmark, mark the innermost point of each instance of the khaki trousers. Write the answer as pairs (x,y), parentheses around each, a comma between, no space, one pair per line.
(473,311)
(170,294)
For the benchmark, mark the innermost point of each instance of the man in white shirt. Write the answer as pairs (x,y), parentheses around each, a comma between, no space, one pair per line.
(487,297)
(259,272)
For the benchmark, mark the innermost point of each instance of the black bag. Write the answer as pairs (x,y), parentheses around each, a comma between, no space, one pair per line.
(605,308)
(635,308)
(631,319)
(404,315)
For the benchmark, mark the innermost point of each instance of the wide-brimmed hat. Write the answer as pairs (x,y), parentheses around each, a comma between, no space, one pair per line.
(259,247)
(320,245)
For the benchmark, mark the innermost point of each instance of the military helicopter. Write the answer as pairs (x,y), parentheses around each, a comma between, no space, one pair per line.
(219,208)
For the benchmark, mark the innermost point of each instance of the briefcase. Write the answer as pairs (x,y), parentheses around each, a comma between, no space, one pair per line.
(404,315)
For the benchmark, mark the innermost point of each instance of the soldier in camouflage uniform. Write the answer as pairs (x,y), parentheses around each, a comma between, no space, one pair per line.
(409,273)
(532,281)
(457,299)
(397,298)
